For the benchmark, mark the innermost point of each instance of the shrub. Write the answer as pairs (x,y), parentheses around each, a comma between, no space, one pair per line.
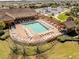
(64,38)
(77,29)
(1,32)
(68,14)
(61,38)
(44,47)
(2,25)
(30,50)
(74,11)
(77,21)
(5,36)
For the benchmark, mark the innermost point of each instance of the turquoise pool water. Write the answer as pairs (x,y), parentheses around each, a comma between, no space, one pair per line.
(36,27)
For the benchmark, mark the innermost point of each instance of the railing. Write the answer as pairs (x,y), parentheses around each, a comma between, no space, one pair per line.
(46,35)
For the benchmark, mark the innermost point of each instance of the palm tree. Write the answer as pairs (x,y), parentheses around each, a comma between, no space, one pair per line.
(2,25)
(13,53)
(13,50)
(39,54)
(77,29)
(24,55)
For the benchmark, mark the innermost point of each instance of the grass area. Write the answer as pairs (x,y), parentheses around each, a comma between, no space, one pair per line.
(62,17)
(67,50)
(4,50)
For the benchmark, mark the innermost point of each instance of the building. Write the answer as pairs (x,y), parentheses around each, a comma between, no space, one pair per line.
(12,15)
(70,24)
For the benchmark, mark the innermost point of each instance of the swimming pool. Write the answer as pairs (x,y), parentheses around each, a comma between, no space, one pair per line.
(36,27)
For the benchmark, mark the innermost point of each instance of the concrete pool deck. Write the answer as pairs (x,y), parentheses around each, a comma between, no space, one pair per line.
(19,34)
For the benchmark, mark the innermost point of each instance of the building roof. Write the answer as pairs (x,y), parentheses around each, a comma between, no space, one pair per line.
(69,24)
(6,18)
(21,12)
(10,14)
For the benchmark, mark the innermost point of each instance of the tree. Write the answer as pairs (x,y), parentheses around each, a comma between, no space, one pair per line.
(75,11)
(2,25)
(67,13)
(4,35)
(77,21)
(1,32)
(13,50)
(24,55)
(77,29)
(40,55)
(64,38)
(68,4)
(11,7)
(54,5)
(77,26)
(13,54)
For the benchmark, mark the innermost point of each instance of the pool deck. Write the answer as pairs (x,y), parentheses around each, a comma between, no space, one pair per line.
(19,34)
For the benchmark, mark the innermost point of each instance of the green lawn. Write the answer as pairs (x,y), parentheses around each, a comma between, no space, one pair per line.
(62,17)
(67,50)
(4,50)
(64,51)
